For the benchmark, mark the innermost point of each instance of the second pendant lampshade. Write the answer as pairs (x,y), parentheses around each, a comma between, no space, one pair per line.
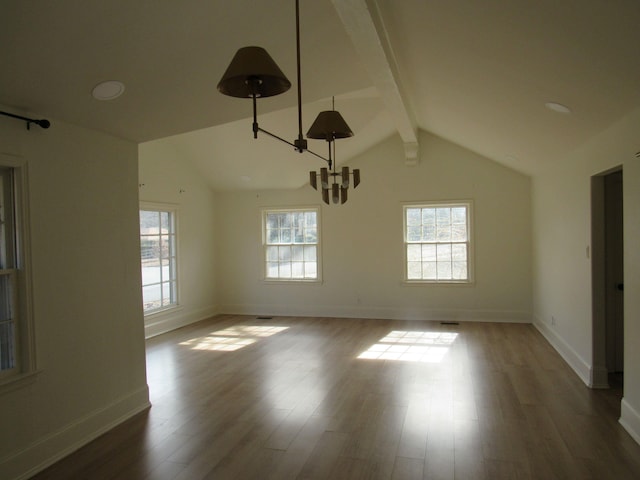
(329,125)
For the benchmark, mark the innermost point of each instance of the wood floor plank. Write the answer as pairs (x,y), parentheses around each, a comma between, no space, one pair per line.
(407,468)
(295,398)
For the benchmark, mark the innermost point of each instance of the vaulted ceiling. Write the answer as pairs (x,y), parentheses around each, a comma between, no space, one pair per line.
(477,73)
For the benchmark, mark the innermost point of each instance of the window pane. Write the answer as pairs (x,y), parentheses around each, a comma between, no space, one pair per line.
(7,345)
(297,270)
(310,253)
(459,252)
(272,270)
(5,297)
(152,297)
(444,270)
(459,271)
(443,233)
(273,236)
(150,274)
(297,253)
(164,222)
(272,254)
(149,222)
(285,220)
(310,270)
(311,234)
(428,216)
(285,235)
(459,215)
(443,216)
(429,253)
(459,233)
(414,253)
(166,294)
(272,221)
(429,271)
(310,219)
(285,270)
(7,326)
(429,233)
(298,233)
(284,254)
(413,217)
(414,270)
(413,234)
(444,253)
(165,246)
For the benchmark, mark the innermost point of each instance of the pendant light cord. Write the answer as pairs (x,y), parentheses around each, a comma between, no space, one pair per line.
(301,143)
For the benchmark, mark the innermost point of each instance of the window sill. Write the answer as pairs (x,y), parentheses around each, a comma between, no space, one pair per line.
(162,312)
(18,381)
(279,281)
(445,283)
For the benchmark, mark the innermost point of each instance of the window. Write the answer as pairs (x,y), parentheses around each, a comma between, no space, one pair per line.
(291,244)
(158,257)
(437,242)
(17,346)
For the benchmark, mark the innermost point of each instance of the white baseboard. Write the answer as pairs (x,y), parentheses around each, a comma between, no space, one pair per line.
(390,313)
(573,359)
(172,319)
(49,449)
(630,420)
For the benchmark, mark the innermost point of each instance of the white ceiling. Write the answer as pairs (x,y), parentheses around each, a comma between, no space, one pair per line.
(476,73)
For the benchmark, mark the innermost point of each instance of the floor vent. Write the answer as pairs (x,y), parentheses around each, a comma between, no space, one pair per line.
(264,318)
(449,323)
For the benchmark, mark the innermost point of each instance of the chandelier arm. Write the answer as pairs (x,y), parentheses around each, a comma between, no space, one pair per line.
(273,135)
(319,156)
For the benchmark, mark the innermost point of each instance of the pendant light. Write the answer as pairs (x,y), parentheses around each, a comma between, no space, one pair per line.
(329,126)
(253,74)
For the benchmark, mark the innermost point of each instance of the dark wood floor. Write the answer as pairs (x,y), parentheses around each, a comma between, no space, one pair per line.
(289,398)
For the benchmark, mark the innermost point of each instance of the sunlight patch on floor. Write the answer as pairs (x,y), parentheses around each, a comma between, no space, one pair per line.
(411,346)
(233,338)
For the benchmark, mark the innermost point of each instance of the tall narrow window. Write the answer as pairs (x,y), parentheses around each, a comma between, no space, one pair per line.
(8,275)
(438,242)
(291,244)
(158,258)
(17,346)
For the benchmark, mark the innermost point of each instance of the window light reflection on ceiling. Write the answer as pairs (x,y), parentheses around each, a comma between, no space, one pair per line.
(411,346)
(232,338)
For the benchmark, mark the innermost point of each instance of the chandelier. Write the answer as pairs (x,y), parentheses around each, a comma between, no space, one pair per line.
(253,74)
(330,126)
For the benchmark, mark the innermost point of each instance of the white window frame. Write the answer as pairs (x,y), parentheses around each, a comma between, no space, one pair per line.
(468,204)
(266,244)
(172,209)
(21,282)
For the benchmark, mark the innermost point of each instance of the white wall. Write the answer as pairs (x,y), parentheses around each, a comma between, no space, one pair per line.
(86,294)
(362,241)
(166,177)
(562,269)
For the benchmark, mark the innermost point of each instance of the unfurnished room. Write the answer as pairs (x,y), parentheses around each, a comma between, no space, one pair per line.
(319,239)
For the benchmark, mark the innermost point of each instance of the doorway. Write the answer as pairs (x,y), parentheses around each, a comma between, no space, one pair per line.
(607,279)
